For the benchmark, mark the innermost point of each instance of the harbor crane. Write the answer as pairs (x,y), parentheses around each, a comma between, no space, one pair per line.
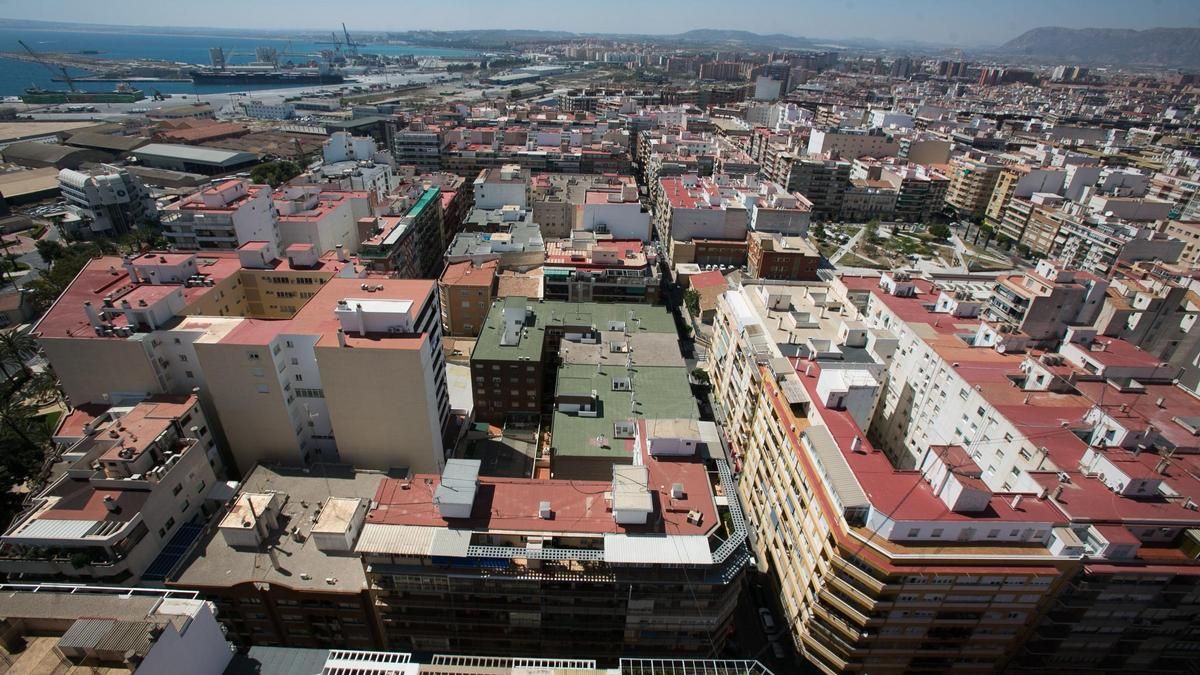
(63,69)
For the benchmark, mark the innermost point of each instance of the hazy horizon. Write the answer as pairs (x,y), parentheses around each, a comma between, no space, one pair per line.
(930,21)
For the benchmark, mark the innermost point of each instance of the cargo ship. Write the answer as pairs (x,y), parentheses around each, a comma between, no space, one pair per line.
(279,77)
(122,94)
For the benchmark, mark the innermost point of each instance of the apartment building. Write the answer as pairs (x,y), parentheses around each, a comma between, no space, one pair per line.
(353,163)
(608,204)
(852,143)
(692,209)
(280,388)
(279,566)
(514,363)
(408,241)
(1011,540)
(465,294)
(1095,243)
(73,628)
(705,220)
(879,568)
(866,200)
(108,200)
(822,181)
(587,268)
(973,179)
(504,566)
(1044,302)
(419,146)
(920,192)
(1020,181)
(781,256)
(1189,233)
(223,215)
(139,478)
(1084,385)
(318,216)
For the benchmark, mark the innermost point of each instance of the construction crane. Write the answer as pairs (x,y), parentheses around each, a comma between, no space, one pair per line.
(351,46)
(36,57)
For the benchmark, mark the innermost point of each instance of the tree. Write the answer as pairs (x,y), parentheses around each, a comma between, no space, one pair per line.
(691,300)
(275,173)
(45,289)
(514,94)
(49,249)
(939,231)
(16,347)
(989,232)
(818,231)
(700,377)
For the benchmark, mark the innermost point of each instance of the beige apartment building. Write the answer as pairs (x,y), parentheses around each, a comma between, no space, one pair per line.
(973,178)
(267,342)
(927,495)
(1189,233)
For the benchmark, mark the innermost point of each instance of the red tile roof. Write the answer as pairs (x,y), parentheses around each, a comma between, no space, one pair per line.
(579,506)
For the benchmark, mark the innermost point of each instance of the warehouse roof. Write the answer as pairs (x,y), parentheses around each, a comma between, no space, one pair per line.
(193,153)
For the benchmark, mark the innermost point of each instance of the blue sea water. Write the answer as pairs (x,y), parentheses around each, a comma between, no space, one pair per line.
(15,76)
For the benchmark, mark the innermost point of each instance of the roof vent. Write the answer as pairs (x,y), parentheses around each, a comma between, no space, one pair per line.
(544,511)
(695,517)
(677,491)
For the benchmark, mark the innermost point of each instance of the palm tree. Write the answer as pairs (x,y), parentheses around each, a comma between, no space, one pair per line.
(17,418)
(15,346)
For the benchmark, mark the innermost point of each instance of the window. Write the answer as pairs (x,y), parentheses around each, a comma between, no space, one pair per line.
(992,534)
(937,532)
(299,377)
(188,373)
(183,358)
(914,532)
(170,522)
(963,394)
(177,489)
(253,356)
(184,508)
(264,389)
(1015,471)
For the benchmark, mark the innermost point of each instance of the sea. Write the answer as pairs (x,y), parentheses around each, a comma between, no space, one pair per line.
(15,76)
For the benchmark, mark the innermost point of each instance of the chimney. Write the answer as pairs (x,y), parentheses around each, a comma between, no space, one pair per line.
(92,315)
(111,504)
(1057,492)
(341,253)
(127,262)
(1016,502)
(856,444)
(341,337)
(362,319)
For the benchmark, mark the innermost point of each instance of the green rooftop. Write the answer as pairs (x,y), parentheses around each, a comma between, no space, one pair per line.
(488,347)
(661,392)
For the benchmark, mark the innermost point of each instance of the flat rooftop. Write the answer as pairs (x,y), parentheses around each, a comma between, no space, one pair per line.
(216,564)
(578,506)
(556,314)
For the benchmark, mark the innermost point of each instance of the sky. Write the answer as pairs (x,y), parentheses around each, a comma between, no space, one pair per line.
(956,22)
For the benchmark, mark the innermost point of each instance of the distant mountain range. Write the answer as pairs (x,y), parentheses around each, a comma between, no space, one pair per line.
(1169,47)
(496,38)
